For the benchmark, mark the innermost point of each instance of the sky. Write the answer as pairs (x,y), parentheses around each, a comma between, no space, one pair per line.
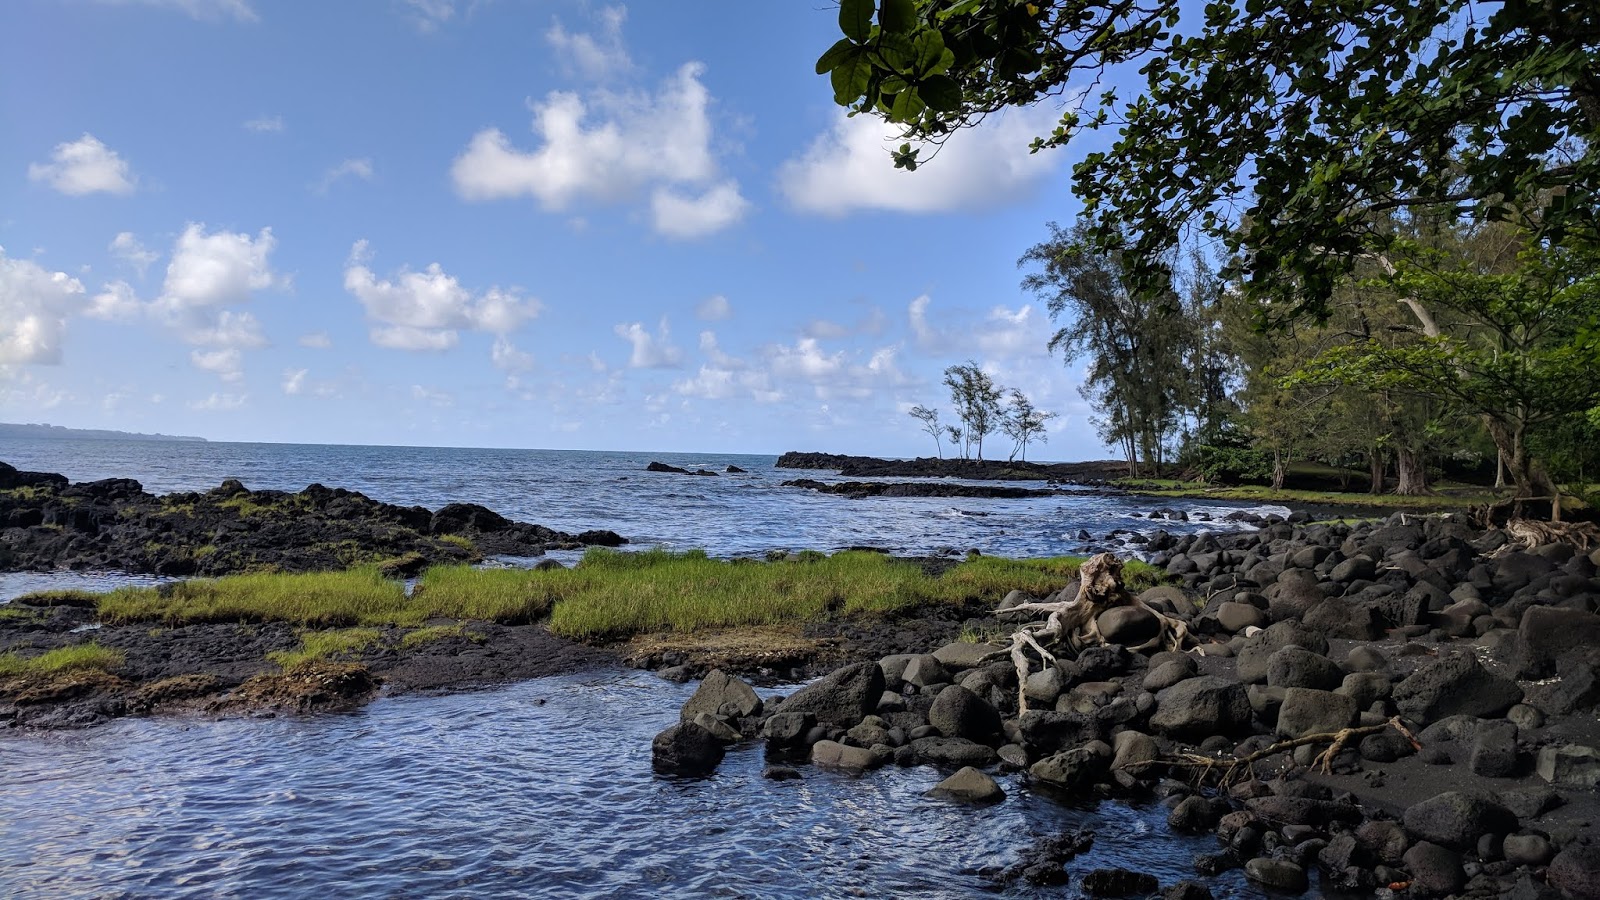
(499,223)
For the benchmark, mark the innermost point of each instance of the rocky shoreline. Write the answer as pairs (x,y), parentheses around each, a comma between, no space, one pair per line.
(857,490)
(1092,473)
(48,523)
(1404,708)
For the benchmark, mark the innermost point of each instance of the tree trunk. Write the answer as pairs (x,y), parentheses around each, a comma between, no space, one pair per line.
(1499,468)
(1411,473)
(1280,469)
(1529,477)
(1375,467)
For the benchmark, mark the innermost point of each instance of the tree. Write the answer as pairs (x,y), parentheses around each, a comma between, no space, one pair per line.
(1136,345)
(977,401)
(955,435)
(1024,423)
(930,423)
(1512,338)
(1278,127)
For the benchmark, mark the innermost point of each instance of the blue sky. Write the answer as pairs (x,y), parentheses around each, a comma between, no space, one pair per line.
(509,223)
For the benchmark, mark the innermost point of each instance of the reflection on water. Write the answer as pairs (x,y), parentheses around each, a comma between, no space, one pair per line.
(496,793)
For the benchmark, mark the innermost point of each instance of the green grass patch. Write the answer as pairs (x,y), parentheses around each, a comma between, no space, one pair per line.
(326,645)
(461,541)
(431,633)
(80,657)
(311,600)
(59,597)
(609,594)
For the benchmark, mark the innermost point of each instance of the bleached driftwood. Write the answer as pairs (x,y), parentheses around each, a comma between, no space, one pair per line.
(1071,625)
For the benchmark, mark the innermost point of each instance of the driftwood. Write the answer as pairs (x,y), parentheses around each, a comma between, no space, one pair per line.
(1231,766)
(1525,534)
(1070,625)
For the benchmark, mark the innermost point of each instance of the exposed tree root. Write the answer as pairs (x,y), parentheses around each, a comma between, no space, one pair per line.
(1525,534)
(1231,767)
(1071,624)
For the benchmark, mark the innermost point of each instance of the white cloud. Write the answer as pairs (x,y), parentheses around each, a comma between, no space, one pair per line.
(598,57)
(426,310)
(225,362)
(926,335)
(1003,334)
(679,216)
(265,124)
(316,340)
(201,10)
(350,168)
(507,357)
(84,166)
(714,308)
(34,306)
(20,390)
(806,359)
(294,380)
(428,15)
(220,402)
(432,396)
(612,147)
(127,248)
(650,351)
(116,301)
(724,376)
(848,168)
(209,273)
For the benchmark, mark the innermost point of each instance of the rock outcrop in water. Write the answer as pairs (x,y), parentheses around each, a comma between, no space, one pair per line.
(857,490)
(47,523)
(1359,714)
(928,467)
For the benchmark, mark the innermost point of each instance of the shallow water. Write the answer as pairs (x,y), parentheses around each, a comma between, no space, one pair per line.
(538,789)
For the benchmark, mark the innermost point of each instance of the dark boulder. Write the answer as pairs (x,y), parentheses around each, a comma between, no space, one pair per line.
(1455,685)
(1201,707)
(957,712)
(842,698)
(1434,870)
(1576,871)
(1296,667)
(722,695)
(685,749)
(1456,819)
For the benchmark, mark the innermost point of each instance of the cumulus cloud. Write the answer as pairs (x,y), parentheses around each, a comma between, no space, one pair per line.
(265,124)
(427,310)
(723,376)
(836,374)
(507,357)
(116,301)
(210,272)
(598,56)
(678,216)
(360,169)
(650,351)
(847,168)
(200,10)
(225,362)
(84,166)
(34,306)
(714,308)
(127,248)
(613,147)
(1003,334)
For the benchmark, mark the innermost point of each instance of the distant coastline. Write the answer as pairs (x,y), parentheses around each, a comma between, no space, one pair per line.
(57,432)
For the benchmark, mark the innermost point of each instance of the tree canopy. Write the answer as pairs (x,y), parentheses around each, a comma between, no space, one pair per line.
(1286,129)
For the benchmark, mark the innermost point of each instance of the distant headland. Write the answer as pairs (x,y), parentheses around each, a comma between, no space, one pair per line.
(57,432)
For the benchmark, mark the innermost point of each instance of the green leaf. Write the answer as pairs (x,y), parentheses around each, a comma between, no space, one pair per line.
(850,79)
(836,54)
(898,16)
(896,53)
(928,53)
(941,93)
(907,106)
(855,19)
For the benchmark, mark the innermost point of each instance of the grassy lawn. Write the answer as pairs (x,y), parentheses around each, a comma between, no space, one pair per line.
(608,595)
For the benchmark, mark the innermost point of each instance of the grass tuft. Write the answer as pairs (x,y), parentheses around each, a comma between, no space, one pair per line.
(311,600)
(79,657)
(326,645)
